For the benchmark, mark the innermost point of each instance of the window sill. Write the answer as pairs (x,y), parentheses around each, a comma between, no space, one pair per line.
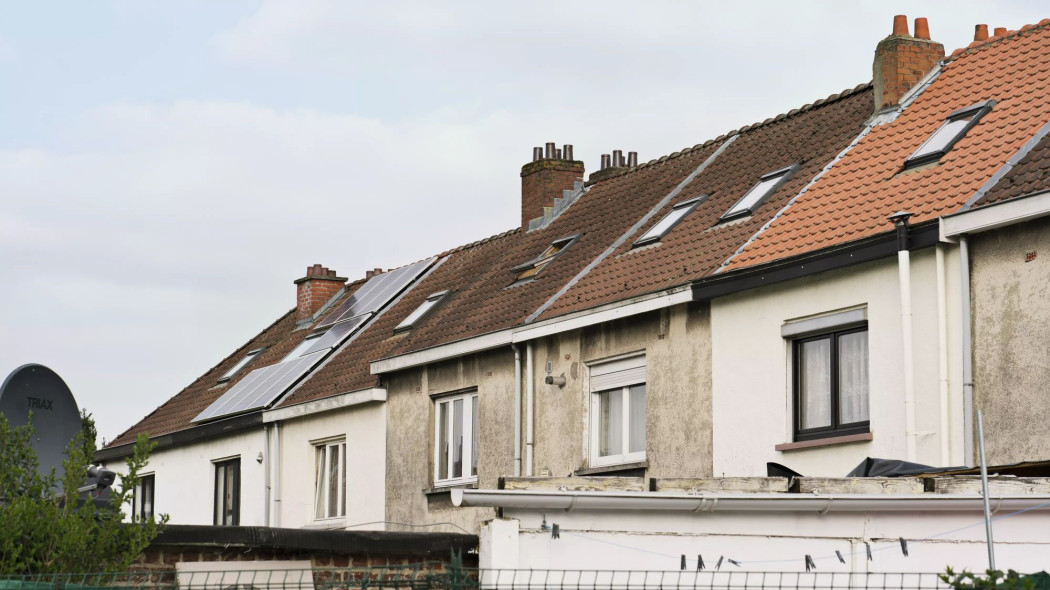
(327,524)
(825,442)
(609,469)
(446,489)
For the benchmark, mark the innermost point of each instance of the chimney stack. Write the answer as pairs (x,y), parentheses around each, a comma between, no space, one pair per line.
(544,178)
(315,289)
(901,61)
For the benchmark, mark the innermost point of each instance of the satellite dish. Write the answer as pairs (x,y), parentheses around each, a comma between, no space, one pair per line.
(56,416)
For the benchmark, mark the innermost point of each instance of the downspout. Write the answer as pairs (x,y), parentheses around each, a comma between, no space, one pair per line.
(266,474)
(967,361)
(517,410)
(529,387)
(277,474)
(942,356)
(900,220)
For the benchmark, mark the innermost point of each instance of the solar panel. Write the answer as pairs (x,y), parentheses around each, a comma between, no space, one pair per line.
(376,292)
(337,334)
(260,387)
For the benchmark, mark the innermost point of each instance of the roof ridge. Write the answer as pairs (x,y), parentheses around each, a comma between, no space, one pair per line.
(480,242)
(774,119)
(976,46)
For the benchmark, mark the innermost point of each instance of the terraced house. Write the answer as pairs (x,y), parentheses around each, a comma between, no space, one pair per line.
(840,281)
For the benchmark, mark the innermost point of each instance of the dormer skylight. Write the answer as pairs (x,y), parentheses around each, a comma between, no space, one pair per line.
(665,225)
(244,362)
(951,131)
(534,266)
(421,311)
(758,194)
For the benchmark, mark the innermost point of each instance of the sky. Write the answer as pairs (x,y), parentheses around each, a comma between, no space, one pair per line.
(168,169)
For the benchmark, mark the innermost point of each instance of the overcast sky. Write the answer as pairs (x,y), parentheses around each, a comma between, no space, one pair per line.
(168,169)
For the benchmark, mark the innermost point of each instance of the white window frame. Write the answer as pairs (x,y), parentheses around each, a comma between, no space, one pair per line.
(139,509)
(668,222)
(420,312)
(469,400)
(241,364)
(768,184)
(322,481)
(621,373)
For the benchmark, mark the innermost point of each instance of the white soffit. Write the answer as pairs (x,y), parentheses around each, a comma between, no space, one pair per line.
(995,216)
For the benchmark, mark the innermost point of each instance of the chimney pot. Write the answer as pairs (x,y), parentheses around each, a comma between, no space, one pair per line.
(1000,31)
(606,161)
(550,150)
(551,171)
(900,25)
(632,159)
(566,151)
(922,28)
(617,158)
(980,32)
(557,154)
(537,153)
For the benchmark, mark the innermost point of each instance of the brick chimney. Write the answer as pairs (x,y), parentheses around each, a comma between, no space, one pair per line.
(902,60)
(315,289)
(550,172)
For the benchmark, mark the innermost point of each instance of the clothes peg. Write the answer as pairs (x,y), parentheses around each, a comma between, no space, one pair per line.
(809,564)
(700,562)
(904,547)
(555,531)
(733,561)
(867,548)
(839,554)
(683,561)
(718,565)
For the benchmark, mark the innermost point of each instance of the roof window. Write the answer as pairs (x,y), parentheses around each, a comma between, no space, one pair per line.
(955,126)
(758,194)
(534,266)
(421,311)
(244,362)
(665,225)
(304,346)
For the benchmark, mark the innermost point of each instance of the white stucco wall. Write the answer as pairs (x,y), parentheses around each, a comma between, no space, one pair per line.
(185,478)
(364,427)
(751,368)
(765,541)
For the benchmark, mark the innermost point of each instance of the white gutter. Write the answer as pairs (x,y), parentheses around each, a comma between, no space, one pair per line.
(715,502)
(517,410)
(995,216)
(904,268)
(363,396)
(605,313)
(442,352)
(530,386)
(942,355)
(967,348)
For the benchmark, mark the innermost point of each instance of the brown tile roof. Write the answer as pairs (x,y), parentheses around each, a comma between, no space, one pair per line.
(1031,174)
(854,199)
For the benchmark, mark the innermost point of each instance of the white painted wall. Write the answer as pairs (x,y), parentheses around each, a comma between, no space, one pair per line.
(765,541)
(364,427)
(751,365)
(185,478)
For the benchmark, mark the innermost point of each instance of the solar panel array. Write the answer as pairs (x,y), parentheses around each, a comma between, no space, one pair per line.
(376,292)
(260,387)
(337,334)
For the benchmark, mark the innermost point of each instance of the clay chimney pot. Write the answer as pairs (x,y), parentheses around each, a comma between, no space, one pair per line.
(980,33)
(922,28)
(1000,31)
(900,25)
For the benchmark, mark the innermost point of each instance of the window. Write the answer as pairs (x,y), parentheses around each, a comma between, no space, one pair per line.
(244,362)
(228,492)
(330,483)
(952,130)
(534,266)
(618,411)
(303,347)
(831,383)
(421,311)
(759,193)
(456,445)
(142,508)
(677,214)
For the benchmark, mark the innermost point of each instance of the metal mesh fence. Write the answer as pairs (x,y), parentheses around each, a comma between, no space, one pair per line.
(424,576)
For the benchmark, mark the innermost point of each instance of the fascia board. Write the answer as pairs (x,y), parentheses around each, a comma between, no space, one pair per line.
(995,216)
(353,398)
(442,352)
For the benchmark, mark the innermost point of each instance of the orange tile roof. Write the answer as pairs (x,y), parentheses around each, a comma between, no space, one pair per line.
(854,199)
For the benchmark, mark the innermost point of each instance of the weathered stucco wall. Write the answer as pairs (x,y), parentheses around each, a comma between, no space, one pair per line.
(677,347)
(752,368)
(363,427)
(410,436)
(1011,328)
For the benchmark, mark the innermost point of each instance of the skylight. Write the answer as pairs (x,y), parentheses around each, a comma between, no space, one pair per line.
(665,225)
(421,311)
(952,130)
(248,358)
(759,193)
(300,350)
(534,266)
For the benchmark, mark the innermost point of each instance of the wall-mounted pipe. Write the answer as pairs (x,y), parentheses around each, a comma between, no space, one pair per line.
(530,387)
(942,357)
(266,474)
(277,474)
(967,360)
(900,220)
(517,410)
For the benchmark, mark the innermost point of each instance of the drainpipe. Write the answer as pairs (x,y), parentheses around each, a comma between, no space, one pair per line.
(277,474)
(517,410)
(967,361)
(942,356)
(900,220)
(529,387)
(266,474)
